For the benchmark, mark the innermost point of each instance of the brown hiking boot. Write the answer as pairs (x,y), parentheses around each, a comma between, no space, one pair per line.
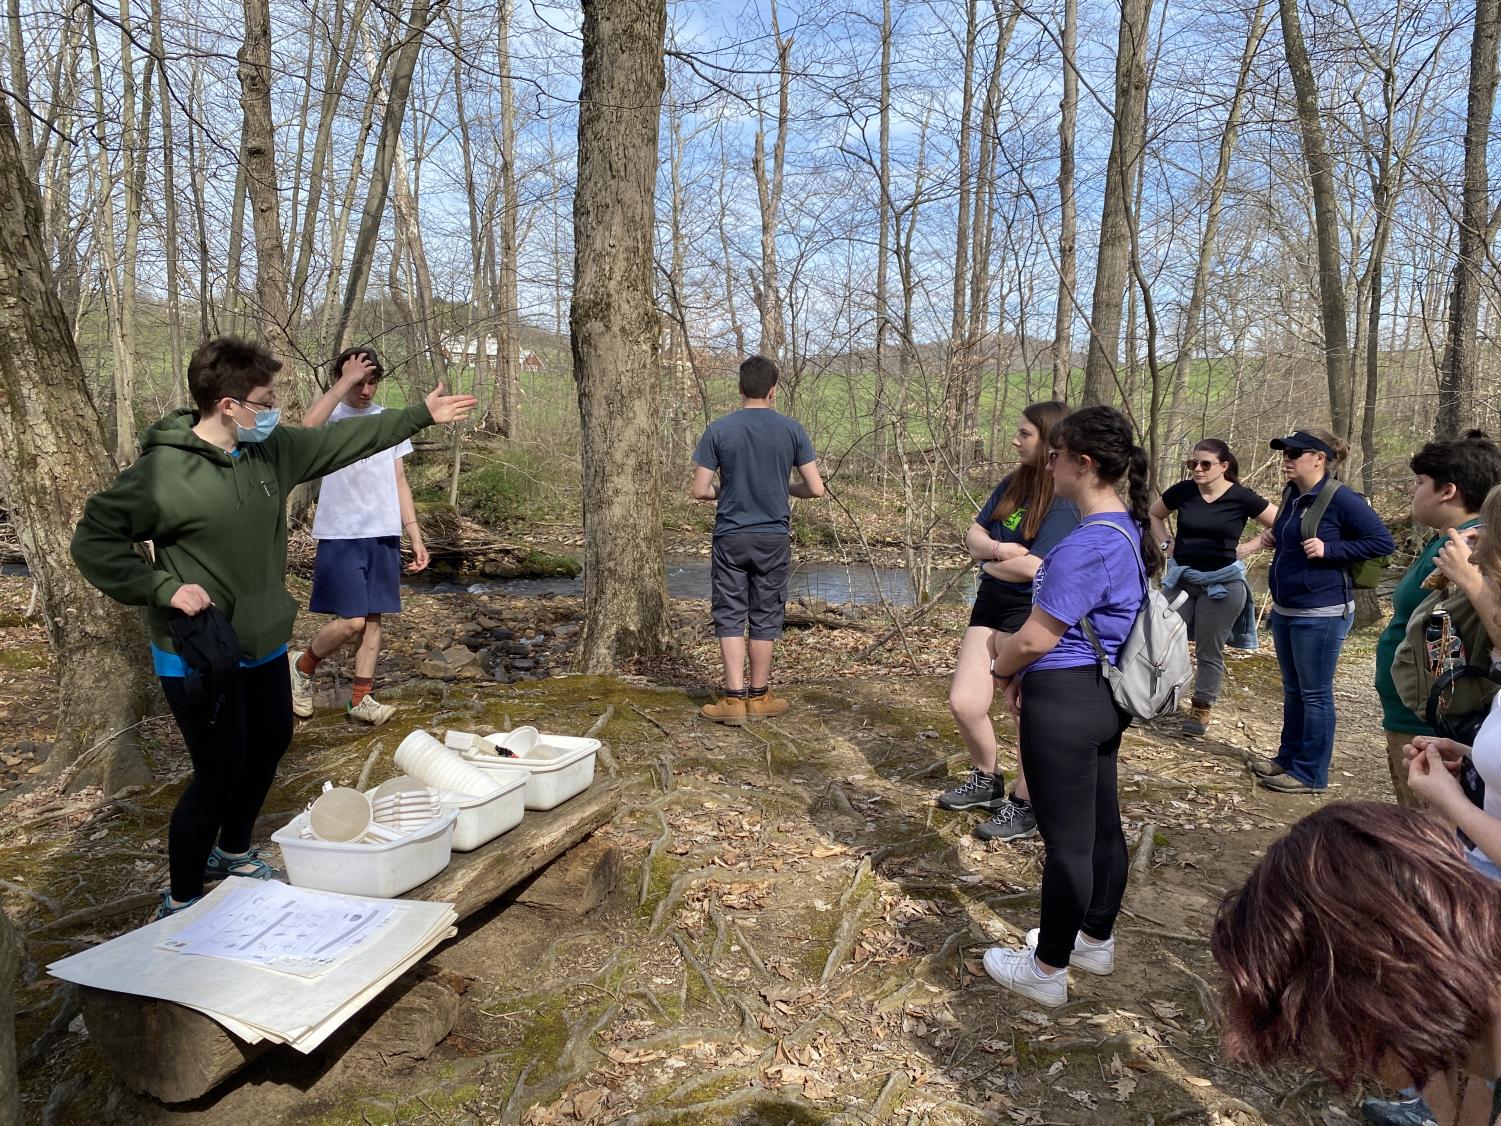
(765,706)
(1196,722)
(727,709)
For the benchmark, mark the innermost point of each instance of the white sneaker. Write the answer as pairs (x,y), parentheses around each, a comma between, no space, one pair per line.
(302,686)
(1087,956)
(372,712)
(1017,971)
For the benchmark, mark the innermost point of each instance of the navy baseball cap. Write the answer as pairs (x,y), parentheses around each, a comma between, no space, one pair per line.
(1302,441)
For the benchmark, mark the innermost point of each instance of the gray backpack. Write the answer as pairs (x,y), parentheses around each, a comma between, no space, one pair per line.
(1152,668)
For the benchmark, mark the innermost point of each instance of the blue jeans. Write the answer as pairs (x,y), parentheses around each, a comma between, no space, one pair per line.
(1307,652)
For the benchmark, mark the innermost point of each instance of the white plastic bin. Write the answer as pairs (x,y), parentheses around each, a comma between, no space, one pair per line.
(487,816)
(381,871)
(559,767)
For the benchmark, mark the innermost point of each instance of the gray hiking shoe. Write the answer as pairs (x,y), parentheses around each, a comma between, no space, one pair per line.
(979,791)
(1013,821)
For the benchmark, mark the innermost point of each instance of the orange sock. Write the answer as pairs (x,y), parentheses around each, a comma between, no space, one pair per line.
(362,686)
(307,664)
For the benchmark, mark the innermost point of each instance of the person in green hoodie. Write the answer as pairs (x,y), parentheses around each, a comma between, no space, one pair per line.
(209,490)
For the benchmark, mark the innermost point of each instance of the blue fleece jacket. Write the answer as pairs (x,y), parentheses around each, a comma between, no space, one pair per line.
(1351,531)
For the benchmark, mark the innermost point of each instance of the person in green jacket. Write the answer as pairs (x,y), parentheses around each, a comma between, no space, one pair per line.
(1452,479)
(209,490)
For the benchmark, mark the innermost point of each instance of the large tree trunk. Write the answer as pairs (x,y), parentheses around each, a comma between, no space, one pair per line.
(1114,262)
(52,458)
(1332,308)
(506,299)
(10,966)
(1068,226)
(259,149)
(1457,378)
(1188,325)
(613,325)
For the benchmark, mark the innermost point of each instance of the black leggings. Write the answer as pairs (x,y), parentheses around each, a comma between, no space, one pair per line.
(234,762)
(1070,735)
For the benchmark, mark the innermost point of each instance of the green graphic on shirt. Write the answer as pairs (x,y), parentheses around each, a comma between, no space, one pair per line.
(1014,521)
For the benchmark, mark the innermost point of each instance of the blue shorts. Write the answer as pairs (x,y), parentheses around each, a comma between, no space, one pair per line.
(352,578)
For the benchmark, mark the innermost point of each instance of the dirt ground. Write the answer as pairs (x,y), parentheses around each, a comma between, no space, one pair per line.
(797,932)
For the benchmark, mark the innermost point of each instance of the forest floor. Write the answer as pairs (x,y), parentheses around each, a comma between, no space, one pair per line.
(797,933)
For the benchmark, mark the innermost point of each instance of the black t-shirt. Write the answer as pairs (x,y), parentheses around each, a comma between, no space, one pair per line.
(1061,517)
(1208,533)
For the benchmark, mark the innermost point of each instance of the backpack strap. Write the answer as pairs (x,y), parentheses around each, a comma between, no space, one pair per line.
(1085,625)
(1315,511)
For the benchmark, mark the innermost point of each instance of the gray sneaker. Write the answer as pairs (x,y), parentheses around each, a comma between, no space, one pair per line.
(1397,1112)
(979,791)
(1013,821)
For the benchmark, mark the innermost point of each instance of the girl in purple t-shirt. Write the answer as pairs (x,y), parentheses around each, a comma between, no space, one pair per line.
(1069,725)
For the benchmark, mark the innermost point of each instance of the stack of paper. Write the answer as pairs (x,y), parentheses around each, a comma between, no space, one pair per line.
(269,961)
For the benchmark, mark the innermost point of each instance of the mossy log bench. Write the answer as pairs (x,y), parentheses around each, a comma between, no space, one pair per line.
(174,1053)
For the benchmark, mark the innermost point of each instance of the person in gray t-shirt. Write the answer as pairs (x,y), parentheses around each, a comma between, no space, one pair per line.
(753,450)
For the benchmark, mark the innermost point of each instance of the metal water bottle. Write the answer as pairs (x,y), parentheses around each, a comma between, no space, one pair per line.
(1444,648)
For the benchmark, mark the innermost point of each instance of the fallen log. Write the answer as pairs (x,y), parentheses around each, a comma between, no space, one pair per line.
(174,1053)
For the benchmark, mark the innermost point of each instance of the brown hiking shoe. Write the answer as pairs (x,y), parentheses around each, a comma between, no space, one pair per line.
(768,705)
(1196,722)
(727,709)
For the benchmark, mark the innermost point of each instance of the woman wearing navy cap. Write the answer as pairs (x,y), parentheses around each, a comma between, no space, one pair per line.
(1313,603)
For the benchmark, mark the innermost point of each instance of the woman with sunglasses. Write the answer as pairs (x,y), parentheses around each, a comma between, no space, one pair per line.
(1313,603)
(1212,509)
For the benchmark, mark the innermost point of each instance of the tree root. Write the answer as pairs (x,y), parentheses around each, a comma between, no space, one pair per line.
(370,761)
(599,724)
(1141,863)
(683,879)
(512,1112)
(861,871)
(896,1085)
(747,945)
(71,1003)
(844,939)
(651,856)
(762,1098)
(651,719)
(1207,1000)
(692,959)
(114,908)
(52,905)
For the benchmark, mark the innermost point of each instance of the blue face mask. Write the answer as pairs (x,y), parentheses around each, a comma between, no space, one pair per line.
(265,422)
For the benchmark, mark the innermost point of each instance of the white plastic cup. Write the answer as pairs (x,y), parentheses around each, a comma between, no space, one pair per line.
(521,741)
(340,815)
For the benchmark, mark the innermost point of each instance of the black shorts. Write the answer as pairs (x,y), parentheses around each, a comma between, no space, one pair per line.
(748,584)
(999,607)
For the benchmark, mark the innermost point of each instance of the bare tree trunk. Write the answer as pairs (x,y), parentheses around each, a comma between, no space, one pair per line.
(1333,312)
(883,244)
(766,288)
(417,20)
(1114,263)
(613,326)
(169,220)
(479,295)
(51,460)
(736,329)
(1068,224)
(1457,371)
(956,361)
(1188,326)
(259,151)
(507,380)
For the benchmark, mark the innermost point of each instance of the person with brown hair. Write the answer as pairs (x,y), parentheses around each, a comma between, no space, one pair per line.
(1365,947)
(1313,602)
(1019,524)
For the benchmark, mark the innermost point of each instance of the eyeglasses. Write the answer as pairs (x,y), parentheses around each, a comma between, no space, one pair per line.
(1191,465)
(1294,455)
(271,406)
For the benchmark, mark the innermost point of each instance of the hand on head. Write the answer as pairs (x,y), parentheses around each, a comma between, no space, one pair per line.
(356,370)
(449,408)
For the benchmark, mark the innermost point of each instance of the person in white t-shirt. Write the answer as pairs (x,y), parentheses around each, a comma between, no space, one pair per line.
(363,511)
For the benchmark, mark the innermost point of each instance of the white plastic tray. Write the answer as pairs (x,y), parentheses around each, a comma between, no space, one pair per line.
(486,817)
(382,871)
(558,768)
